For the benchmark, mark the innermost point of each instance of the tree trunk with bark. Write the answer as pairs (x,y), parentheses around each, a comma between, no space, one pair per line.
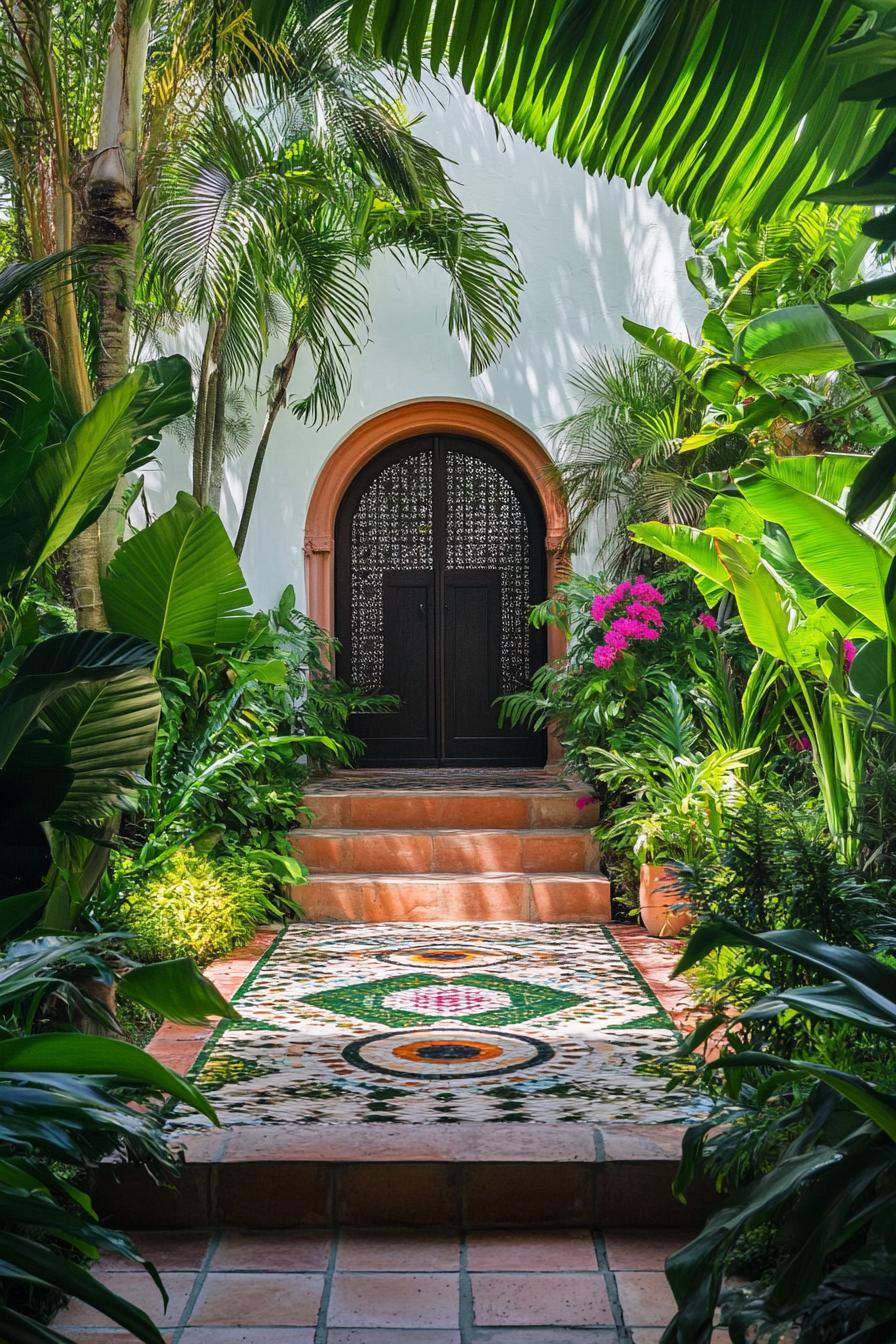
(111,211)
(276,401)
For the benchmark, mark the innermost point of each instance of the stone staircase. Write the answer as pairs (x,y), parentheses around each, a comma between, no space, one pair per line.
(407,850)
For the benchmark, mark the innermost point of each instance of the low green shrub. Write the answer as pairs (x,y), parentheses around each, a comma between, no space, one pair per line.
(195,905)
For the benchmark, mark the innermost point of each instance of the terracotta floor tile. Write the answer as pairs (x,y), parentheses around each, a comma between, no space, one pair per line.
(138,1288)
(573,1250)
(292,1250)
(249,1334)
(413,1301)
(105,1336)
(546,1335)
(654,1337)
(646,1298)
(642,1250)
(166,1250)
(430,1251)
(540,1299)
(393,1336)
(259,1299)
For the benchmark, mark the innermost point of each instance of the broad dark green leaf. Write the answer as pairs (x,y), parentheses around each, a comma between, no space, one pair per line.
(69,1053)
(177,990)
(179,581)
(57,663)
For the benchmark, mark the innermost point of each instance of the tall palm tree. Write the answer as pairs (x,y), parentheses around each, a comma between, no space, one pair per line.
(619,453)
(264,225)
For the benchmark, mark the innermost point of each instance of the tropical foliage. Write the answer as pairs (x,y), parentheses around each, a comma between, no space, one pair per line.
(65,1102)
(725,112)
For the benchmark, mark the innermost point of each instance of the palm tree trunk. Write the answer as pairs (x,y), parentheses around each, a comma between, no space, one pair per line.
(205,411)
(276,401)
(217,445)
(111,214)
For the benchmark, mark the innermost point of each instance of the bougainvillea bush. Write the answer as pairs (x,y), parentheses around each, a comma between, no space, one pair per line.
(625,642)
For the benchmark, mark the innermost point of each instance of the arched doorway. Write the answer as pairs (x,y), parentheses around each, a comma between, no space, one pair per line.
(439,557)
(473,468)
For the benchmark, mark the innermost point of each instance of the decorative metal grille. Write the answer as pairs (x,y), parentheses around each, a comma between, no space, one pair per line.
(391,529)
(487,529)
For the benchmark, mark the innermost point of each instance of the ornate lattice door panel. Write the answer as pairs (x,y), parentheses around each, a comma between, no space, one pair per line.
(440,554)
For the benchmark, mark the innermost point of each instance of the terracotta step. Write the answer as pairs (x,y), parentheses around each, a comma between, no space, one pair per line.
(346,850)
(572,898)
(464,1175)
(489,809)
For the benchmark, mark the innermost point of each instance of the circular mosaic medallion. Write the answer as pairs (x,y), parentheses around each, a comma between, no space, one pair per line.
(447,956)
(446,1054)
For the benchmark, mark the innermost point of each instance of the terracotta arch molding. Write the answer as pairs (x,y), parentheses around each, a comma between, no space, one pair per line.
(431,416)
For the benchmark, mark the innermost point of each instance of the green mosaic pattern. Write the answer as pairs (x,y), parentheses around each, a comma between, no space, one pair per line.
(365,1001)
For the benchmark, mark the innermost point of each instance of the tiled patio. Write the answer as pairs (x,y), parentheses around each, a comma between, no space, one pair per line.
(432,1024)
(361,1287)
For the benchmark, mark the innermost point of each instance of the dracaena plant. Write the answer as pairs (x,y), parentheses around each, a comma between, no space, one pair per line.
(829,1193)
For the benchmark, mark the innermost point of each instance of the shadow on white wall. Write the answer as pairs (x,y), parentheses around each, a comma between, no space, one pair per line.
(592,251)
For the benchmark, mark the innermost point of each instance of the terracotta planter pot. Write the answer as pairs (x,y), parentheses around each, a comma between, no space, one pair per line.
(658,892)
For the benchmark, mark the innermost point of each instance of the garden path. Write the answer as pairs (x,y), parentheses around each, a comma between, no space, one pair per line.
(410,1023)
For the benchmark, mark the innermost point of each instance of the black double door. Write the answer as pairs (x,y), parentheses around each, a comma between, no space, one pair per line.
(439,556)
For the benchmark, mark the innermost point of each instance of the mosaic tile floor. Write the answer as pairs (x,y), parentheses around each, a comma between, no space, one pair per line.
(440,1023)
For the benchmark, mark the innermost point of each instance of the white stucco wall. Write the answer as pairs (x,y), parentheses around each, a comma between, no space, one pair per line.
(592,251)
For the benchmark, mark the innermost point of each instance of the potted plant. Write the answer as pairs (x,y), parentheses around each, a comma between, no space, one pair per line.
(678,797)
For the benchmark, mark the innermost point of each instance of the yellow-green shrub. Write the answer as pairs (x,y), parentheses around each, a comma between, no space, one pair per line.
(195,905)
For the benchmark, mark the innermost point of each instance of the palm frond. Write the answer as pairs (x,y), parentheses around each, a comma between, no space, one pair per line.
(722,107)
(477,255)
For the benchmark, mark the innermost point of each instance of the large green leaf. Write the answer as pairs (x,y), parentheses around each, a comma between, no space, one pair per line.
(728,110)
(179,581)
(848,562)
(108,729)
(803,340)
(26,400)
(760,601)
(67,1052)
(165,394)
(42,1264)
(177,990)
(689,546)
(57,663)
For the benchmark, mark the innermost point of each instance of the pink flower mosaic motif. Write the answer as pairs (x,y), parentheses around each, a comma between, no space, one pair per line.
(446,1000)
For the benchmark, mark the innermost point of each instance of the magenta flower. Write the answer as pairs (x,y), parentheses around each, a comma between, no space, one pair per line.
(849,653)
(599,607)
(614,640)
(640,611)
(604,657)
(624,625)
(708,621)
(585,801)
(799,744)
(646,592)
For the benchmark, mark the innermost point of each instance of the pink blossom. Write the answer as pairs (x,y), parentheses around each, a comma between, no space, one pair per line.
(800,743)
(646,591)
(585,801)
(604,657)
(640,611)
(708,621)
(600,606)
(614,640)
(624,625)
(849,653)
